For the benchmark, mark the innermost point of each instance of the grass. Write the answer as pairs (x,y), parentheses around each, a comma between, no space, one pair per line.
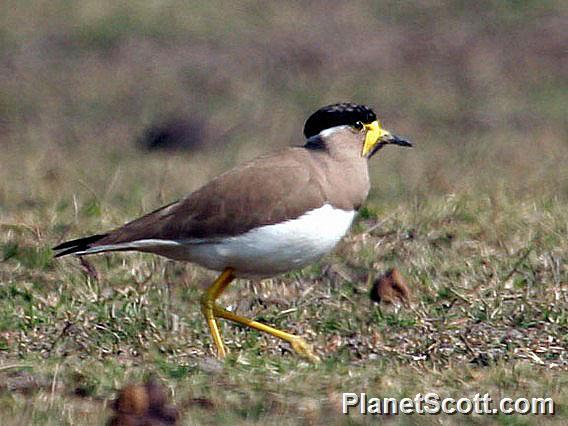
(475,217)
(489,314)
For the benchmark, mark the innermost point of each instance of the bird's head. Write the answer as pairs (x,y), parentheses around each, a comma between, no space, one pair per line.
(359,117)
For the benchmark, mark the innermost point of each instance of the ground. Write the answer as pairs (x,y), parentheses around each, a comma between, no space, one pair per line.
(475,216)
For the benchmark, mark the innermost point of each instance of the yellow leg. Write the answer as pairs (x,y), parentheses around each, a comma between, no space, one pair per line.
(208,302)
(211,310)
(301,347)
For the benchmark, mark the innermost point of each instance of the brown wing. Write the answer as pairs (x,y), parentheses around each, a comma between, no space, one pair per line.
(267,190)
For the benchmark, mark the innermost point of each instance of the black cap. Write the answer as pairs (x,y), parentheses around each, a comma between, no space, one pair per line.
(337,115)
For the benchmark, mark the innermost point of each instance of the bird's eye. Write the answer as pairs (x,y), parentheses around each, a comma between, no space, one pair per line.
(359,125)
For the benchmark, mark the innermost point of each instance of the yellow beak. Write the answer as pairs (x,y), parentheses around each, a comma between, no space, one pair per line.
(376,137)
(374,134)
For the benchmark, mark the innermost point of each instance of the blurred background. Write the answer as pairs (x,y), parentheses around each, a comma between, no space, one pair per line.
(89,91)
(111,109)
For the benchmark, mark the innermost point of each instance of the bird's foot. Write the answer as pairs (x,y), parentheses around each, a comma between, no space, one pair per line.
(304,349)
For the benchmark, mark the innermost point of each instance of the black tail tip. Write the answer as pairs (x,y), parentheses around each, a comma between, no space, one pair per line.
(73,246)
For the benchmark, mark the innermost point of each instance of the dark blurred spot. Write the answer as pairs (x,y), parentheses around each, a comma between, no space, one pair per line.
(82,392)
(481,360)
(175,134)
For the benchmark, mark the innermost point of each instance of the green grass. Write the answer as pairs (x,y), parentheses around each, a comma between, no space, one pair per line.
(488,315)
(475,217)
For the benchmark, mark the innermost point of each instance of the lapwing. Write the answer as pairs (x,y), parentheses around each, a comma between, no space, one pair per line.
(276,213)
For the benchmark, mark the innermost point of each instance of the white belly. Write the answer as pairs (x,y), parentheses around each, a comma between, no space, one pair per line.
(265,251)
(273,249)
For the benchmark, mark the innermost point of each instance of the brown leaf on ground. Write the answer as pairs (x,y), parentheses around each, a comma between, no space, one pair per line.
(143,405)
(391,288)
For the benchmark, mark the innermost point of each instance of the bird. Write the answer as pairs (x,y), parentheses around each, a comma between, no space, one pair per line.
(276,213)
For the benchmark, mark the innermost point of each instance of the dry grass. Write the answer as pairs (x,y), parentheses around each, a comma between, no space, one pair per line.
(476,217)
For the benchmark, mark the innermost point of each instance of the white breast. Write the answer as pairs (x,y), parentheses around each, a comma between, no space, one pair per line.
(274,249)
